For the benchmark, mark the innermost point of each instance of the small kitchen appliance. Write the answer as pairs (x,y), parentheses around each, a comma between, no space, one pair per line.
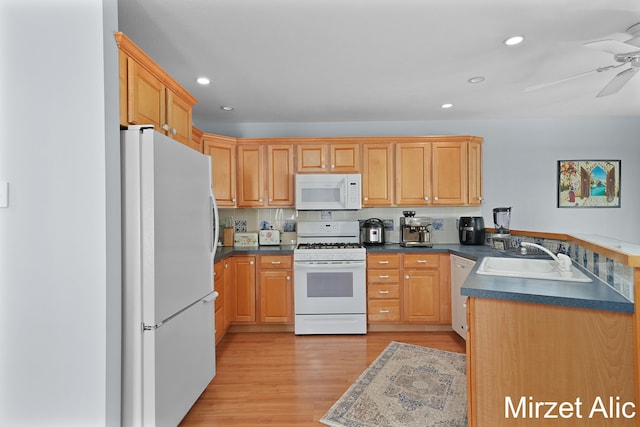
(330,279)
(372,232)
(501,239)
(415,231)
(471,230)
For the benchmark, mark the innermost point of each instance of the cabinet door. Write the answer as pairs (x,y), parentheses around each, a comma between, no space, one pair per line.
(145,96)
(421,290)
(276,296)
(280,176)
(413,174)
(475,173)
(449,161)
(218,284)
(377,174)
(223,167)
(344,158)
(245,289)
(178,118)
(312,158)
(250,176)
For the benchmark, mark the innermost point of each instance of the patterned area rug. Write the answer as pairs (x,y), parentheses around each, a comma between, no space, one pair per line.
(407,385)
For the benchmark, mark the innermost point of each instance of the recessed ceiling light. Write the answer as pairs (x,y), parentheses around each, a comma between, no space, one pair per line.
(514,40)
(226,108)
(476,79)
(203,80)
(447,105)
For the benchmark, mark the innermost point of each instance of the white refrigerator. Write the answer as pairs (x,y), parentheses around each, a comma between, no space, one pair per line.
(169,223)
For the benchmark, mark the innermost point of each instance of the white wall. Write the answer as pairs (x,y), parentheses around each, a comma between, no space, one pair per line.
(519,163)
(59,237)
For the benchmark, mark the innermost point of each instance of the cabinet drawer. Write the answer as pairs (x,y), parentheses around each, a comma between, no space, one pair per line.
(383,291)
(276,261)
(383,276)
(383,261)
(383,310)
(421,261)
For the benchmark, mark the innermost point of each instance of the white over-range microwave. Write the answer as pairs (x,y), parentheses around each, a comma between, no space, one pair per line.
(328,192)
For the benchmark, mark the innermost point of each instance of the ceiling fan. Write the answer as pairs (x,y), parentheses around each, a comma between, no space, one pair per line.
(624,53)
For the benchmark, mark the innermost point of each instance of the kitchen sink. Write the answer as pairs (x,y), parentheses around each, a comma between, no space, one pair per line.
(546,269)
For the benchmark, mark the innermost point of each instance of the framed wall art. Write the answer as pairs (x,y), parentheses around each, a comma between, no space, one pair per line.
(589,183)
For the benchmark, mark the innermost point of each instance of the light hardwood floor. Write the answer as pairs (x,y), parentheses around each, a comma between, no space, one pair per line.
(280,379)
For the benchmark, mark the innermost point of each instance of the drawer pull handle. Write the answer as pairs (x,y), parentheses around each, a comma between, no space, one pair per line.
(384,311)
(383,276)
(421,261)
(383,262)
(383,292)
(276,262)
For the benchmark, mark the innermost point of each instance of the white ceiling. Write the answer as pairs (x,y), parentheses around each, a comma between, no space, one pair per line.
(385,60)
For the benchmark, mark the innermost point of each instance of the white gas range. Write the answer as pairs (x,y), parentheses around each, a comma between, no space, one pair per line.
(330,291)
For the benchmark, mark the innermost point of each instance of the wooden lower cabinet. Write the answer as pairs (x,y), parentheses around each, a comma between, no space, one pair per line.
(523,352)
(408,288)
(262,289)
(383,288)
(275,289)
(244,307)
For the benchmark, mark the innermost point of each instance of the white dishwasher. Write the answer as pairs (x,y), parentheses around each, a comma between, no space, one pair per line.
(460,269)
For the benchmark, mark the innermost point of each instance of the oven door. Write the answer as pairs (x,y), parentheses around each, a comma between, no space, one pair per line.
(330,287)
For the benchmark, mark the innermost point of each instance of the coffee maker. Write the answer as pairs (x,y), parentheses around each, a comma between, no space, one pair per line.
(501,239)
(471,230)
(415,231)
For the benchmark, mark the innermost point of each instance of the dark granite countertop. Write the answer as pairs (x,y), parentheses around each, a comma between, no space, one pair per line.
(596,295)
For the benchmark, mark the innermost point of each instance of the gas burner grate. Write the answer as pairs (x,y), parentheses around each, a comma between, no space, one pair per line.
(329,246)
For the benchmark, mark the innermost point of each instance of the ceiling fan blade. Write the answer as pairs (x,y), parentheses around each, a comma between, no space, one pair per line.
(543,85)
(617,82)
(613,47)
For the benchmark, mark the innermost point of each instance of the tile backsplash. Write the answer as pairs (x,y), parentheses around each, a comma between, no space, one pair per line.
(444,227)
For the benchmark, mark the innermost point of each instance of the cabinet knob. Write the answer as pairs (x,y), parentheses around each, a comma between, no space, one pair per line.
(333,166)
(174,131)
(260,200)
(426,197)
(479,198)
(251,263)
(322,166)
(366,198)
(233,199)
(270,199)
(407,277)
(435,198)
(165,127)
(288,277)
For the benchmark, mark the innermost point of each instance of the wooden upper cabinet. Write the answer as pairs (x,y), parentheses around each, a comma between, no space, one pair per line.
(280,176)
(312,158)
(250,176)
(343,157)
(449,162)
(413,173)
(377,174)
(148,95)
(475,172)
(222,150)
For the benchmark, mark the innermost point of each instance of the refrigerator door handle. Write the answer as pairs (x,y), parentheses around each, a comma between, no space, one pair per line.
(211,297)
(215,231)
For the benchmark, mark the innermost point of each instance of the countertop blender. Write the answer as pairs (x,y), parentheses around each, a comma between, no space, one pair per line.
(501,238)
